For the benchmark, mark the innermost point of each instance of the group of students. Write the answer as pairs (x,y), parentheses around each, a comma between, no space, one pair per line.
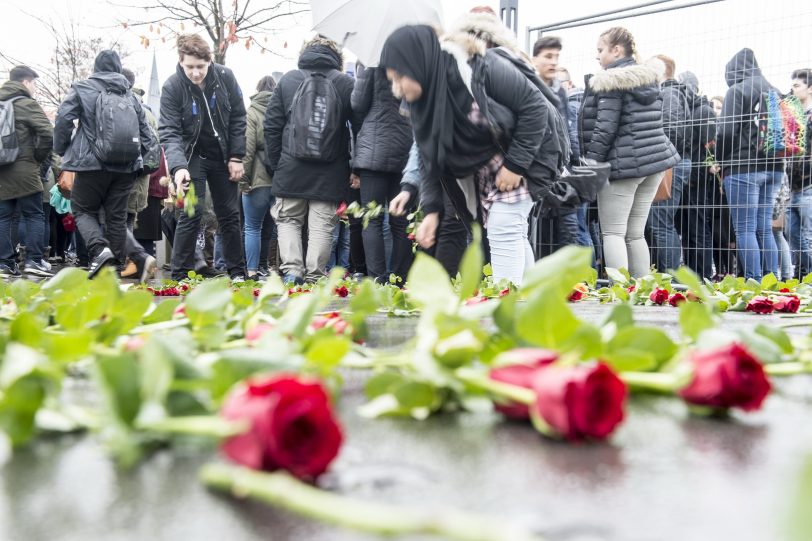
(463,125)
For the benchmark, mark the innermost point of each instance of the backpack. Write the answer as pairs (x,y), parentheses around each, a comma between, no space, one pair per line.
(316,119)
(118,133)
(9,144)
(781,125)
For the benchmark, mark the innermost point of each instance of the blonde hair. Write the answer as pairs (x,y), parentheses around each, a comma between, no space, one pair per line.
(327,42)
(617,35)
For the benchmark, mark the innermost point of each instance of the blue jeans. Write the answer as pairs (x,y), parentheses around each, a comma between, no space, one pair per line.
(340,250)
(511,254)
(667,244)
(31,216)
(751,197)
(799,216)
(257,205)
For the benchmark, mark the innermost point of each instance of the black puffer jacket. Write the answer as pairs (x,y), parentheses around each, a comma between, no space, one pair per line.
(304,179)
(621,121)
(702,128)
(737,131)
(181,114)
(676,124)
(80,104)
(386,135)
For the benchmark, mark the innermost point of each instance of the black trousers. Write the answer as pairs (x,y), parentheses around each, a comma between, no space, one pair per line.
(92,192)
(225,199)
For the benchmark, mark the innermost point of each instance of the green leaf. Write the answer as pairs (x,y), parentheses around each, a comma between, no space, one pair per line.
(69,346)
(637,343)
(769,281)
(326,352)
(695,318)
(383,383)
(119,377)
(471,266)
(414,394)
(800,519)
(617,276)
(563,269)
(621,315)
(429,285)
(765,349)
(19,404)
(777,335)
(206,304)
(631,360)
(690,279)
(162,311)
(68,279)
(586,340)
(27,329)
(546,320)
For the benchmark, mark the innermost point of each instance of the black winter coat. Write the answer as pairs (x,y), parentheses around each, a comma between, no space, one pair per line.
(181,115)
(304,179)
(385,137)
(737,132)
(702,130)
(676,115)
(621,121)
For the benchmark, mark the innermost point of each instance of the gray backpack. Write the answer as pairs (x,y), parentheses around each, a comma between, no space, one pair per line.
(118,134)
(9,144)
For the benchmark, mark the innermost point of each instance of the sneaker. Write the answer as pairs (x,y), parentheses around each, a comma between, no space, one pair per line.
(208,272)
(38,268)
(146,270)
(104,258)
(130,270)
(237,278)
(9,270)
(293,280)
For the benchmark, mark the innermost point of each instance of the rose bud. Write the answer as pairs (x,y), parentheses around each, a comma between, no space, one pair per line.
(658,296)
(504,292)
(255,333)
(410,236)
(788,304)
(180,311)
(760,305)
(518,367)
(134,343)
(632,288)
(342,209)
(475,300)
(676,299)
(727,377)
(578,402)
(693,297)
(784,290)
(291,426)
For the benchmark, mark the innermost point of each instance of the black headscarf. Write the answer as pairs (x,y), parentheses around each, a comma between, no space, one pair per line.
(449,143)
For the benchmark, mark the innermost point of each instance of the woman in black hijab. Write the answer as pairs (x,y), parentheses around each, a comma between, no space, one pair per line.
(466,107)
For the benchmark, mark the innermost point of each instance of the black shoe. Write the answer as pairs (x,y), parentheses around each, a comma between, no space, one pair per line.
(9,270)
(104,258)
(209,272)
(237,278)
(146,269)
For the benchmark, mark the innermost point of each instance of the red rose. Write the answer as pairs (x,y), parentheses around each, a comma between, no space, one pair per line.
(581,401)
(475,300)
(659,295)
(631,288)
(519,368)
(788,304)
(784,290)
(342,209)
(728,377)
(760,305)
(258,331)
(579,291)
(410,236)
(504,292)
(180,311)
(291,426)
(342,291)
(676,299)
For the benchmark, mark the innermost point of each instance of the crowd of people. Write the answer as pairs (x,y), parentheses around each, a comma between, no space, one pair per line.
(461,124)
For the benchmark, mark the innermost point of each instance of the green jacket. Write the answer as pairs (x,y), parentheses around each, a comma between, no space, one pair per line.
(35,135)
(254,161)
(139,196)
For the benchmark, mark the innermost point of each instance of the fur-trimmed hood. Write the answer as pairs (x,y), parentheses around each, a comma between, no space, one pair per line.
(485,26)
(626,75)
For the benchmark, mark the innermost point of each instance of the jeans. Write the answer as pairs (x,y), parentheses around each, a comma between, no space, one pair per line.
(256,205)
(667,244)
(94,191)
(698,222)
(623,208)
(289,215)
(785,265)
(452,237)
(582,237)
(799,216)
(226,202)
(382,188)
(511,254)
(751,197)
(340,248)
(31,216)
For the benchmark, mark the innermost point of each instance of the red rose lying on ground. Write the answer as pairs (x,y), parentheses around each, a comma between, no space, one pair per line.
(291,426)
(579,402)
(519,368)
(676,299)
(341,291)
(788,304)
(760,305)
(659,296)
(579,291)
(256,332)
(727,377)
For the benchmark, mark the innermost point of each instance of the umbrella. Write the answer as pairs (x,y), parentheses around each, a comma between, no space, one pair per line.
(362,26)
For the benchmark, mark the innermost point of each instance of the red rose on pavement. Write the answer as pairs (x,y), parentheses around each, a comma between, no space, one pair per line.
(632,288)
(784,290)
(579,402)
(475,300)
(760,305)
(727,377)
(788,304)
(579,291)
(291,426)
(342,291)
(258,331)
(659,295)
(676,299)
(180,311)
(504,292)
(519,368)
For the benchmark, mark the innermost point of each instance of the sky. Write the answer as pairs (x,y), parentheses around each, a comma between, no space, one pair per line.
(701,39)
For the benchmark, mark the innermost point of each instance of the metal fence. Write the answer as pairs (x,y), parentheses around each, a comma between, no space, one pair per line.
(702,37)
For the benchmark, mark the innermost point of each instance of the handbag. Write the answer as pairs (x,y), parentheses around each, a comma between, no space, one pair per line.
(65,183)
(664,189)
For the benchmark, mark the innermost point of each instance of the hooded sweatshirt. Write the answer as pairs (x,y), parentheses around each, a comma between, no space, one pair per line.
(737,130)
(254,161)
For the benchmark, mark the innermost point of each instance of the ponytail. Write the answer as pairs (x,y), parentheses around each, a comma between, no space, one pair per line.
(617,35)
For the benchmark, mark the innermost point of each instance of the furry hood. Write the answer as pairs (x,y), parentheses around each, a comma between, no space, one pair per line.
(485,26)
(627,76)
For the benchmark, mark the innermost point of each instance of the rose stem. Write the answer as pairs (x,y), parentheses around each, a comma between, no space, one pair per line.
(787,369)
(651,381)
(504,390)
(198,425)
(282,490)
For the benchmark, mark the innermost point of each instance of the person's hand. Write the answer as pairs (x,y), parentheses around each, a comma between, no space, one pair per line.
(507,180)
(397,207)
(235,171)
(182,179)
(426,234)
(355,181)
(714,169)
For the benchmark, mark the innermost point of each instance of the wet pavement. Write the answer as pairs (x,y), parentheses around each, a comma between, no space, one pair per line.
(664,476)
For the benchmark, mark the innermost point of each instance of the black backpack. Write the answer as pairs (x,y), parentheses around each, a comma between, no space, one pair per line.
(118,134)
(9,144)
(316,119)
